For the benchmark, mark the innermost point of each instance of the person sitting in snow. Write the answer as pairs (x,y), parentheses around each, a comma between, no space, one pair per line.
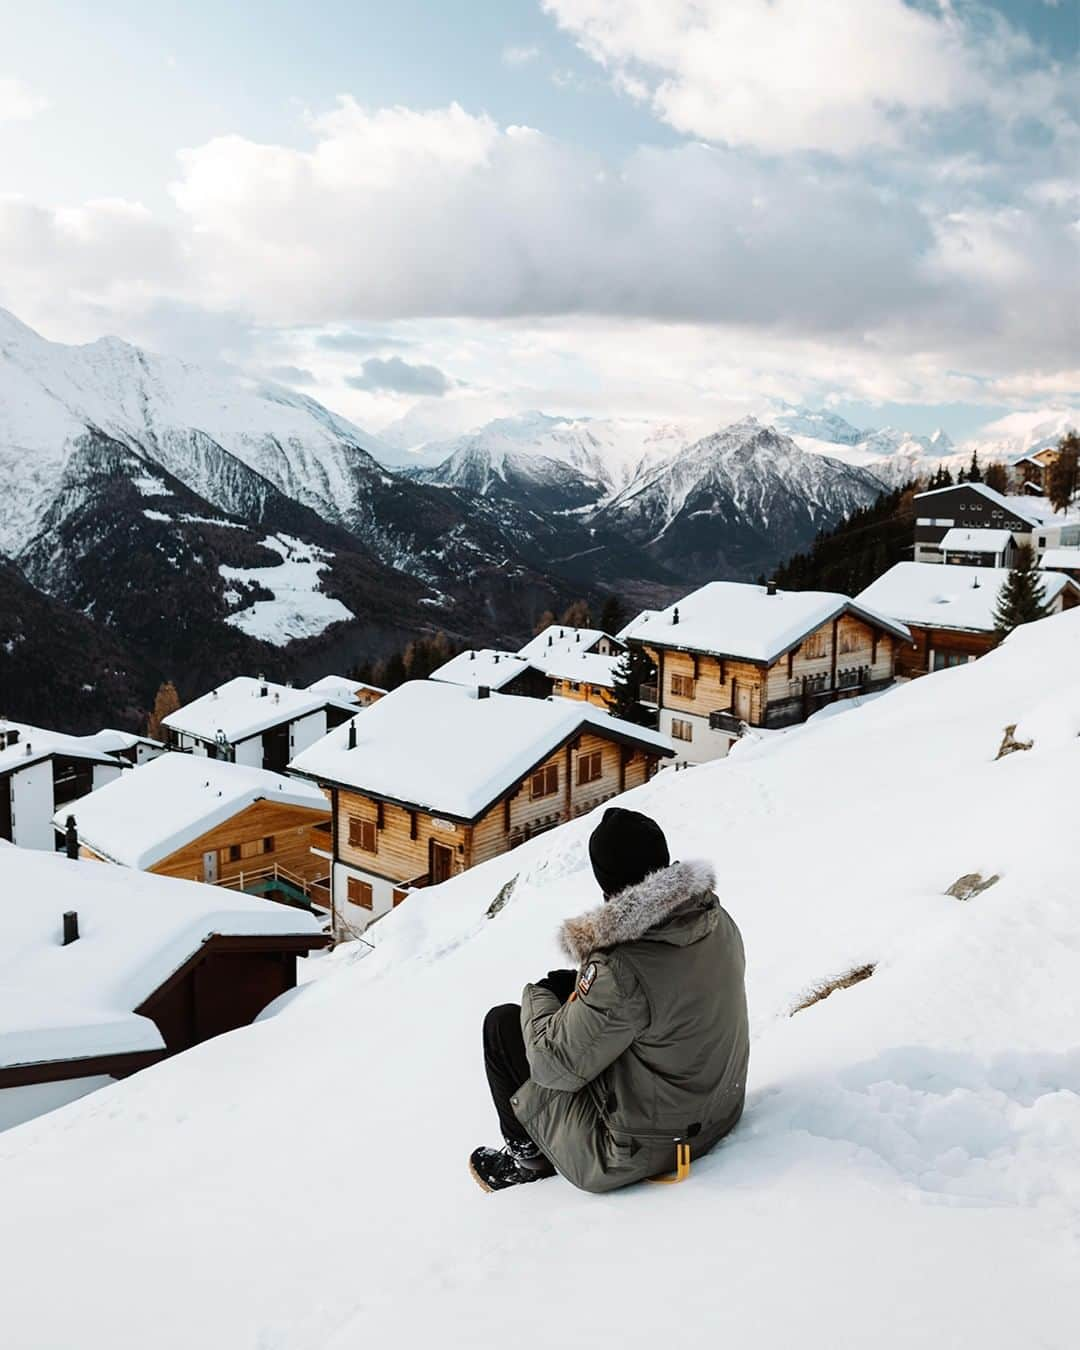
(602,1069)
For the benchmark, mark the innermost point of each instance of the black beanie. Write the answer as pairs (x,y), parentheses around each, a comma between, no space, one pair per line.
(624,848)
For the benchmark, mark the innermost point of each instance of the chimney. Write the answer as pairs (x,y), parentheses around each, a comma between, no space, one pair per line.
(482,691)
(577,637)
(29,748)
(263,691)
(675,616)
(770,589)
(472,656)
(71,927)
(550,641)
(71,838)
(352,735)
(496,658)
(975,583)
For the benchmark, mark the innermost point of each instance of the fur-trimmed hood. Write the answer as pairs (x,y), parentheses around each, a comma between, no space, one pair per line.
(630,914)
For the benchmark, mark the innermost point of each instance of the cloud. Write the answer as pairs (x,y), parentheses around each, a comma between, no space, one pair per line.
(294,375)
(399,377)
(519,56)
(359,342)
(787,75)
(17,102)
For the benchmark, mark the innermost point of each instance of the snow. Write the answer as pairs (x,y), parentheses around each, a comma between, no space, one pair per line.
(299,609)
(907,1172)
(559,636)
(36,743)
(150,812)
(149,486)
(975,541)
(731,618)
(1061,557)
(584,667)
(487,667)
(158,515)
(239,709)
(439,747)
(341,689)
(70,1002)
(940,595)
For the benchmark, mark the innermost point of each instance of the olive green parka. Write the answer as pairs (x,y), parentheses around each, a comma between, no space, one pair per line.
(653,1046)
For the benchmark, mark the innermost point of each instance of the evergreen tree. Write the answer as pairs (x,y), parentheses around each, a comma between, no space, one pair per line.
(166,701)
(632,670)
(613,615)
(1022,598)
(996,476)
(1063,477)
(974,474)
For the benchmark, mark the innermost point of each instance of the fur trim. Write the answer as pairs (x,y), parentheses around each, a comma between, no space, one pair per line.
(630,914)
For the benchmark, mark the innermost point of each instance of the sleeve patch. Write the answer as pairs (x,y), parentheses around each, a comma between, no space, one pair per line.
(587,979)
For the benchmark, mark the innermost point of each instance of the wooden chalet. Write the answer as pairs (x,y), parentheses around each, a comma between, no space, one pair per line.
(579,663)
(500,672)
(950,611)
(731,656)
(40,770)
(437,778)
(104,971)
(211,821)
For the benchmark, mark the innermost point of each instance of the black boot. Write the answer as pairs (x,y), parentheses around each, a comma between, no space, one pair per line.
(494,1169)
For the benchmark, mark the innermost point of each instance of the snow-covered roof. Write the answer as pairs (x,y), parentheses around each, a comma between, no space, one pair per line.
(111,741)
(37,743)
(240,709)
(1061,557)
(562,637)
(438,747)
(586,667)
(149,812)
(1018,506)
(976,541)
(939,595)
(733,619)
(342,689)
(488,667)
(628,628)
(135,930)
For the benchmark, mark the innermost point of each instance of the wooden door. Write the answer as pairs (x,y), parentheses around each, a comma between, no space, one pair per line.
(743,694)
(209,867)
(440,862)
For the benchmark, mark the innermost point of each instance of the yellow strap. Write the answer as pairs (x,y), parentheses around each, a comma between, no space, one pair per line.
(682,1167)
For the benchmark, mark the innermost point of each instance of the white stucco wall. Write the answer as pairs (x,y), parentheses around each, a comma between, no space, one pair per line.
(250,752)
(32,806)
(706,744)
(306,731)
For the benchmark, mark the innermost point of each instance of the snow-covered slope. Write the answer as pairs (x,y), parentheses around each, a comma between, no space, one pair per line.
(1021,433)
(907,1172)
(736,502)
(892,455)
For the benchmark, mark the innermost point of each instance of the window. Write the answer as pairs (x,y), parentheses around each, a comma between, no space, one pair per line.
(575,686)
(590,767)
(234,853)
(268,844)
(544,782)
(814,647)
(850,640)
(363,835)
(360,893)
(682,686)
(681,730)
(943,660)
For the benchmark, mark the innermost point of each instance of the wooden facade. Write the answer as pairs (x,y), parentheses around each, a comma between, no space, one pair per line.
(939,648)
(258,837)
(600,696)
(705,699)
(381,849)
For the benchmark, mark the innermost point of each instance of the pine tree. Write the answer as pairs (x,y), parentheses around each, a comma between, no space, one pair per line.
(974,474)
(1022,598)
(1063,476)
(166,701)
(996,476)
(613,615)
(632,670)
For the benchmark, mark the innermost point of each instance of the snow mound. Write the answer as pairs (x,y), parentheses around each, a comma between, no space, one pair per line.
(907,1172)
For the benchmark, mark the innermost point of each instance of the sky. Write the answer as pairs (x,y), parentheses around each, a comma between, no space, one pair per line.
(452,209)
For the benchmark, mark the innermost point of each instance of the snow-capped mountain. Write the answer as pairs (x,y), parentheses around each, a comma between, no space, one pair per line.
(735,502)
(608,451)
(1022,433)
(892,455)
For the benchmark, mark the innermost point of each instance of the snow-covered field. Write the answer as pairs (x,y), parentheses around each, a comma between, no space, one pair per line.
(907,1173)
(299,609)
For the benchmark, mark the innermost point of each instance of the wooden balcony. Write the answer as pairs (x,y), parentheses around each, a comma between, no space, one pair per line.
(725,720)
(321,839)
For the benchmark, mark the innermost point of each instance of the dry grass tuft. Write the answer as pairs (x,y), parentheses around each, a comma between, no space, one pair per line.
(855,976)
(1009,743)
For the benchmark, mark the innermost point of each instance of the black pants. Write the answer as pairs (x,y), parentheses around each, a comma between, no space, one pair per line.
(507,1065)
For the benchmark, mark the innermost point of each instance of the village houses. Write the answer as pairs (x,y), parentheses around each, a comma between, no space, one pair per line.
(105,971)
(208,820)
(972,525)
(436,778)
(567,662)
(950,611)
(731,656)
(40,770)
(262,724)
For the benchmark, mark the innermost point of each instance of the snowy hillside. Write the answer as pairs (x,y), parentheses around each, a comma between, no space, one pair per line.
(907,1172)
(892,455)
